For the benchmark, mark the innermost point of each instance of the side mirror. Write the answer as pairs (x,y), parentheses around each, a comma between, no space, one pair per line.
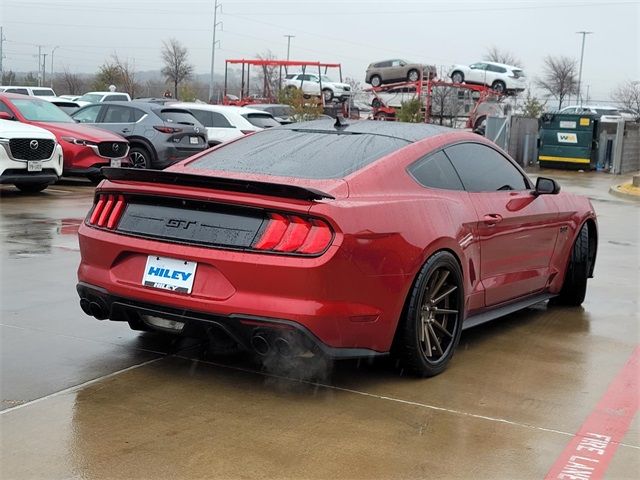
(546,186)
(6,116)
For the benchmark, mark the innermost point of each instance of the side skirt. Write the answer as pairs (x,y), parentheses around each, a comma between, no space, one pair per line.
(489,315)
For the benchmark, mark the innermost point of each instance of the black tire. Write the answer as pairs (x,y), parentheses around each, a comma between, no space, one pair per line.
(574,287)
(95,178)
(413,75)
(457,77)
(327,94)
(383,117)
(424,344)
(139,157)
(376,103)
(499,86)
(31,187)
(376,81)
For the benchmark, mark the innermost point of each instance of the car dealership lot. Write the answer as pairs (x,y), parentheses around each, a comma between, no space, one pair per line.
(90,399)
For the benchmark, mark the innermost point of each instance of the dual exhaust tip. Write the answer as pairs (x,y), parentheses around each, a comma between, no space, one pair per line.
(94,308)
(283,346)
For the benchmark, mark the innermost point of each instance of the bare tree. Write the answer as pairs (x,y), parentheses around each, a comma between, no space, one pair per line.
(445,104)
(268,75)
(559,77)
(627,95)
(127,74)
(176,65)
(72,82)
(494,54)
(8,77)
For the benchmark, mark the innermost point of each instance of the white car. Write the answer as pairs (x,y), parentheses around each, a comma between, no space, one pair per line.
(71,98)
(393,97)
(500,77)
(42,92)
(30,157)
(603,112)
(99,97)
(226,123)
(310,83)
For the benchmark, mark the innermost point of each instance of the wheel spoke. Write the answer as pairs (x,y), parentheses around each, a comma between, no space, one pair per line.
(434,337)
(442,329)
(445,311)
(426,339)
(438,285)
(445,294)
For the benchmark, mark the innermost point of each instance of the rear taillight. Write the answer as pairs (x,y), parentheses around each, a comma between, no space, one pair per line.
(294,234)
(107,211)
(163,129)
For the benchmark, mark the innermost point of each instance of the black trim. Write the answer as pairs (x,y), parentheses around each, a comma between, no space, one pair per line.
(218,183)
(40,178)
(506,309)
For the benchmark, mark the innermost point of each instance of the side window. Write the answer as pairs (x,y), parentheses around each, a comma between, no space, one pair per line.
(396,63)
(118,114)
(203,116)
(21,91)
(87,115)
(115,98)
(220,121)
(483,169)
(4,108)
(137,114)
(383,64)
(436,171)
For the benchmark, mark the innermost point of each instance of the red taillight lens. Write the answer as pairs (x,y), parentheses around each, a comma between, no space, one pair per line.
(294,234)
(163,129)
(107,211)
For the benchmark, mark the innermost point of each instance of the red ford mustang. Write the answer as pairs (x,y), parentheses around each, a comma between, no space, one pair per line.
(335,239)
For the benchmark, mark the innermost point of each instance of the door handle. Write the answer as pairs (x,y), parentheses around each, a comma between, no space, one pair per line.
(125,130)
(490,219)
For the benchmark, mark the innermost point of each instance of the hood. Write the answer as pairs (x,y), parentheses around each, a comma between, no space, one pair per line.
(82,132)
(14,129)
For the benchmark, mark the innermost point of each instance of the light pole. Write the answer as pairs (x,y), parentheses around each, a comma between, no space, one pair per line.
(52,52)
(584,36)
(214,42)
(289,37)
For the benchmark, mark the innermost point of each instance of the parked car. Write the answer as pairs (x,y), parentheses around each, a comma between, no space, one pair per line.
(63,104)
(603,112)
(225,122)
(393,97)
(73,98)
(498,76)
(282,113)
(99,97)
(316,85)
(397,70)
(30,157)
(158,135)
(85,149)
(158,100)
(629,114)
(33,91)
(297,241)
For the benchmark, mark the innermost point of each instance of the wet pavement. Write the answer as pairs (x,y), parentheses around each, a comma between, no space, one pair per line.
(89,399)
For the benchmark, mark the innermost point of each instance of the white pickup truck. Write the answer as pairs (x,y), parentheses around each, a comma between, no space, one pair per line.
(313,84)
(30,157)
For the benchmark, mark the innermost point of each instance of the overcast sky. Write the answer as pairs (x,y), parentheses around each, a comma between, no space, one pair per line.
(351,32)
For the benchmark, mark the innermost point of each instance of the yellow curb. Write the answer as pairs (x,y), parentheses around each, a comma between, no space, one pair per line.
(626,190)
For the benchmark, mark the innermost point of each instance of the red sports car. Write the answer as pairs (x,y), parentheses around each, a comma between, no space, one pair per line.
(347,240)
(85,149)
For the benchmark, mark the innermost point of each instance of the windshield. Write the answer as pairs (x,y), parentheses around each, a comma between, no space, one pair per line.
(91,97)
(40,111)
(43,92)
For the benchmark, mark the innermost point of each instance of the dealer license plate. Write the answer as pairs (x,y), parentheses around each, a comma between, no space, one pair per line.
(116,162)
(193,140)
(169,274)
(34,166)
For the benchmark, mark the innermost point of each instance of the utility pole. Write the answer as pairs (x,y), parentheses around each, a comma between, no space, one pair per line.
(44,69)
(584,35)
(289,37)
(39,65)
(2,39)
(52,52)
(214,42)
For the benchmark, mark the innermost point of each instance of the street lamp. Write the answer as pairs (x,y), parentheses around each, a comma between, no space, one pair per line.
(584,35)
(289,37)
(52,52)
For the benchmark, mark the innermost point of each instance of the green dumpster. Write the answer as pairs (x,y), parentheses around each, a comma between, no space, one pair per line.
(568,141)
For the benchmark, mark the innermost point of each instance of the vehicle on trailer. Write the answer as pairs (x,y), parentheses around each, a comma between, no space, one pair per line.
(331,238)
(282,113)
(30,157)
(99,97)
(226,122)
(498,76)
(158,135)
(42,92)
(86,149)
(64,104)
(604,113)
(398,70)
(316,85)
(394,97)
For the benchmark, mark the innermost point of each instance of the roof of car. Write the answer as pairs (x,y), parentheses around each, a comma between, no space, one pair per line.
(500,64)
(218,108)
(411,132)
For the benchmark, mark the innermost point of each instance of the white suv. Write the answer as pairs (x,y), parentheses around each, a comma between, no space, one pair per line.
(99,97)
(500,77)
(42,92)
(310,85)
(30,157)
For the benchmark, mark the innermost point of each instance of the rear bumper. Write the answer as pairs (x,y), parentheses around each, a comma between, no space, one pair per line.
(243,328)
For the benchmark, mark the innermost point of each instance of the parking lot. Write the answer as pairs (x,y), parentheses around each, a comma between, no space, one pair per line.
(89,399)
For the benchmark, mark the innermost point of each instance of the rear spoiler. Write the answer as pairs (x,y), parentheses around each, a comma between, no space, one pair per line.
(218,183)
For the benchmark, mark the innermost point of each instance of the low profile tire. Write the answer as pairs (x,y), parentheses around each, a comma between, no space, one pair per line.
(413,75)
(457,77)
(574,287)
(327,94)
(139,157)
(430,330)
(499,86)
(376,103)
(376,81)
(31,187)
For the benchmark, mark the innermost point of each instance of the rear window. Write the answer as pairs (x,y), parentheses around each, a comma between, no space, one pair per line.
(261,120)
(177,116)
(300,154)
(518,73)
(43,92)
